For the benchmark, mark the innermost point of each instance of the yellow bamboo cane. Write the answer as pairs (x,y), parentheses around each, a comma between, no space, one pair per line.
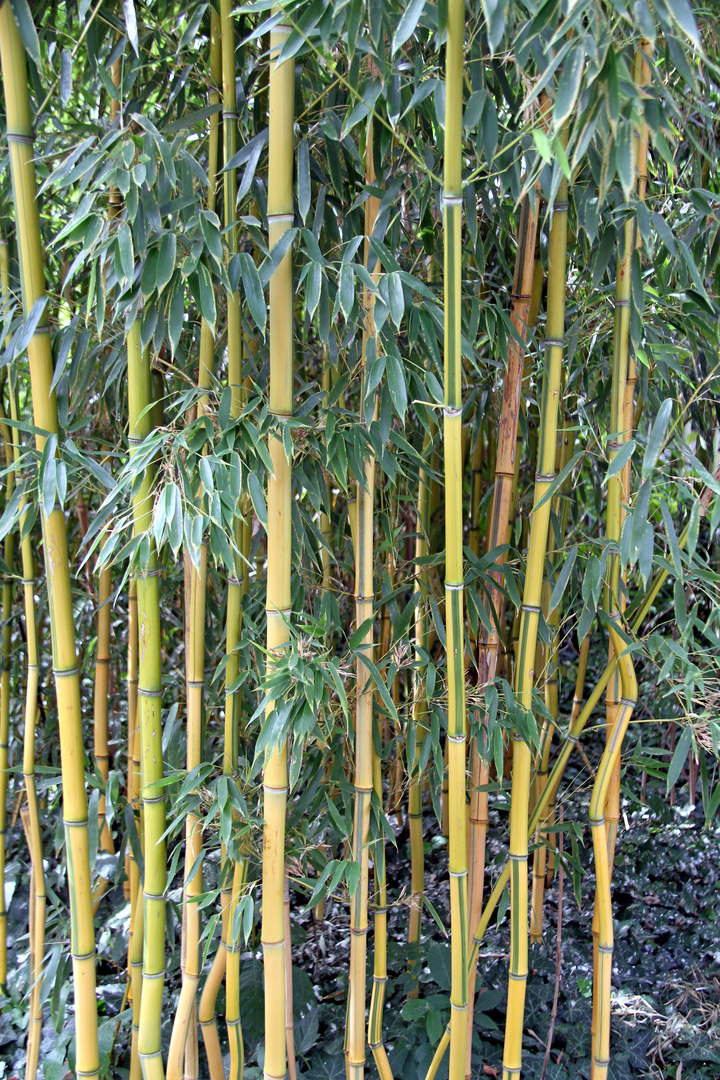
(135,944)
(529,619)
(182,1033)
(581,717)
(100,716)
(149,701)
(364,602)
(560,504)
(456,737)
(487,652)
(32,812)
(641,76)
(7,591)
(420,720)
(279,596)
(67,683)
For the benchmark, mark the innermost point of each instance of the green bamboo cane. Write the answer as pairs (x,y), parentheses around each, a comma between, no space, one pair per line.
(529,619)
(67,682)
(279,542)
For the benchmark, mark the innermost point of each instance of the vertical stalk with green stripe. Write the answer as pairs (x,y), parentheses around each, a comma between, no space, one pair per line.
(67,682)
(528,632)
(364,604)
(279,542)
(149,703)
(456,737)
(7,597)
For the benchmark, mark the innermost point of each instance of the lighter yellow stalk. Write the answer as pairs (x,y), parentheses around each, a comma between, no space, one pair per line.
(67,683)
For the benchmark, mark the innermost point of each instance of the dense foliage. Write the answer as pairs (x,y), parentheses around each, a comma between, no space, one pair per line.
(173,270)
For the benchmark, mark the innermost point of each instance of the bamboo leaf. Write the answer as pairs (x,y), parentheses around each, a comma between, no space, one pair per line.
(379,683)
(304,180)
(125,250)
(65,76)
(207,295)
(620,460)
(253,290)
(165,261)
(562,579)
(406,27)
(657,435)
(569,86)
(683,16)
(26,28)
(560,478)
(131,25)
(680,755)
(258,498)
(30,325)
(672,540)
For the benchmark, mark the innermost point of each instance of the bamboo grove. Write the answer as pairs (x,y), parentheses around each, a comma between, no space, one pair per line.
(360,455)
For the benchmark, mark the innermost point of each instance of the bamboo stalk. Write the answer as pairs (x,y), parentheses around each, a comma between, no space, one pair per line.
(529,619)
(456,737)
(377,1001)
(182,1033)
(100,716)
(67,683)
(550,791)
(149,701)
(7,597)
(364,604)
(279,502)
(641,76)
(560,504)
(30,813)
(135,944)
(500,519)
(420,720)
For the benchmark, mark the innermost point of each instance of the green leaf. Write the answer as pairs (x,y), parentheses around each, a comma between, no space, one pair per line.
(621,459)
(253,290)
(258,498)
(672,540)
(569,86)
(682,749)
(683,16)
(165,261)
(304,180)
(657,436)
(26,27)
(625,159)
(125,250)
(562,579)
(406,27)
(176,313)
(131,25)
(65,76)
(207,295)
(30,325)
(396,297)
(346,289)
(560,479)
(396,383)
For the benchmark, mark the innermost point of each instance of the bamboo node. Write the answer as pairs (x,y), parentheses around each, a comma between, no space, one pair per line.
(558,343)
(84,956)
(65,673)
(16,136)
(451,411)
(622,303)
